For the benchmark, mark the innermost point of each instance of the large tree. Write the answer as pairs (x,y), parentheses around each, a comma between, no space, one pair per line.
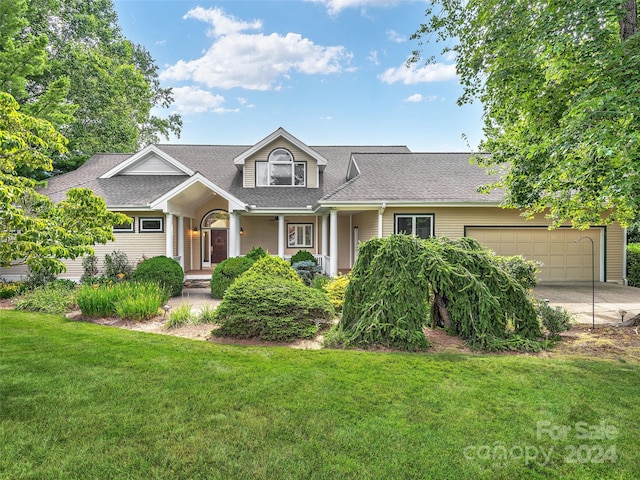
(559,82)
(75,62)
(33,230)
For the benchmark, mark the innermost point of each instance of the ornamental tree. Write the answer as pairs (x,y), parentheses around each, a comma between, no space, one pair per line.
(33,230)
(559,83)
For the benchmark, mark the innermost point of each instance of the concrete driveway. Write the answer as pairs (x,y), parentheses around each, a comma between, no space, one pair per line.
(576,297)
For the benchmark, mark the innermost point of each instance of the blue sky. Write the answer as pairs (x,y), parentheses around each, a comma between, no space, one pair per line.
(331,72)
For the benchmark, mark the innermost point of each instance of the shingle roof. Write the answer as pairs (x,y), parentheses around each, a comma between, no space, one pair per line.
(387,173)
(414,177)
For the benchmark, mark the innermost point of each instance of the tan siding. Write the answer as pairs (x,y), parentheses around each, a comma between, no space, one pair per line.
(344,236)
(615,252)
(367,223)
(259,232)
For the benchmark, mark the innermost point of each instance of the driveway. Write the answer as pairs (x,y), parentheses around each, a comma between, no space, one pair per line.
(610,300)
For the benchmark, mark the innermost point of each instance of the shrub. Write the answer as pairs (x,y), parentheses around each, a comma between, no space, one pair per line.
(163,270)
(303,256)
(207,314)
(633,264)
(128,300)
(181,316)
(555,320)
(271,308)
(11,289)
(255,253)
(89,269)
(320,282)
(307,271)
(335,291)
(116,266)
(55,297)
(39,278)
(226,272)
(522,270)
(270,266)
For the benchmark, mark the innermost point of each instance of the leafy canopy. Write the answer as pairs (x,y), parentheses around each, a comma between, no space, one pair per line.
(33,230)
(559,82)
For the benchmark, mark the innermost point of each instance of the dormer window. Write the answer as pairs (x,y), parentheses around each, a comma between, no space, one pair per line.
(281,170)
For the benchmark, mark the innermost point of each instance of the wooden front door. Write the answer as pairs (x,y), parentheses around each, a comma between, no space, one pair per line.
(218,246)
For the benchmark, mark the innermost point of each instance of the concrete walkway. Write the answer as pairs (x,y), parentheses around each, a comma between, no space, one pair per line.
(196,297)
(576,297)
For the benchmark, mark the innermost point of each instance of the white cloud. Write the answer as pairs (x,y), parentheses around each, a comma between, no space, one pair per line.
(411,75)
(222,23)
(373,57)
(417,97)
(336,6)
(188,100)
(327,118)
(254,61)
(394,36)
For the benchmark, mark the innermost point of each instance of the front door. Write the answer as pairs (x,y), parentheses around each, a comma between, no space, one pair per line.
(218,246)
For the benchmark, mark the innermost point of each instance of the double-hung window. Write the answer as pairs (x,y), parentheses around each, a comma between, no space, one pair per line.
(300,235)
(420,226)
(281,170)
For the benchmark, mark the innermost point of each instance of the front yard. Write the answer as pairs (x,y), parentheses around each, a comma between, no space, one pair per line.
(79,400)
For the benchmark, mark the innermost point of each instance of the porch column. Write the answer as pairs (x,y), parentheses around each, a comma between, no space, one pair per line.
(325,243)
(233,235)
(333,243)
(181,240)
(281,236)
(168,232)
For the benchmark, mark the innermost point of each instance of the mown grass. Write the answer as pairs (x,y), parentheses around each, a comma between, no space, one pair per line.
(84,401)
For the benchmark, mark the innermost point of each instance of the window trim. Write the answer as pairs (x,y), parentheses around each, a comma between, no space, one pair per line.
(130,229)
(414,216)
(142,229)
(297,244)
(270,162)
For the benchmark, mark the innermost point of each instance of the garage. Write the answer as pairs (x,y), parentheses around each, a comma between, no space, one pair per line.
(562,258)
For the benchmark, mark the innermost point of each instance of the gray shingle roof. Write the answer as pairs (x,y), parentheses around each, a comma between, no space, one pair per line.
(386,173)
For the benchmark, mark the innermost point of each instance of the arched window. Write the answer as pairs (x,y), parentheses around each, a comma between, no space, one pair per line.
(215,219)
(281,170)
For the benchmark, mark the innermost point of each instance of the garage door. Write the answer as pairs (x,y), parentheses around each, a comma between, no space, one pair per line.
(562,258)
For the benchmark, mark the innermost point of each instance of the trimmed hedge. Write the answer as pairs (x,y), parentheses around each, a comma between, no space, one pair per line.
(163,270)
(633,264)
(270,266)
(226,272)
(303,256)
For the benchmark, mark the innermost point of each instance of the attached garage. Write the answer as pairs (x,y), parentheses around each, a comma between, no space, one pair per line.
(563,258)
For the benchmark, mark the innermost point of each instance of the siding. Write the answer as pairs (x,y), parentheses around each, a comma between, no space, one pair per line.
(367,223)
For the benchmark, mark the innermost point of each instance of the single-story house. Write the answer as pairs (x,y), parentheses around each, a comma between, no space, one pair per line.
(204,203)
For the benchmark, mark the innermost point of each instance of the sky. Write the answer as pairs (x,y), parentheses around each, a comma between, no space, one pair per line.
(330,72)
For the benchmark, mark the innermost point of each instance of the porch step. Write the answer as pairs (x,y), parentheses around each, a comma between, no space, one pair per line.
(196,283)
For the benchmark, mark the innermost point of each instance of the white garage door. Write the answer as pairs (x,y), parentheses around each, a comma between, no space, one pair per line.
(562,258)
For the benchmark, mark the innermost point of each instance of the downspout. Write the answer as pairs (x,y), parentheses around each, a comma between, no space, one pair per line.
(380,214)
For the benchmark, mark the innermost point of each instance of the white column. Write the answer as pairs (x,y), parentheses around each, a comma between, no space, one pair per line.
(333,243)
(233,236)
(181,240)
(380,224)
(281,236)
(325,243)
(168,232)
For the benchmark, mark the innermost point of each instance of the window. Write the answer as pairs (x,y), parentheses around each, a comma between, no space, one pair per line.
(419,225)
(155,224)
(300,235)
(281,170)
(124,227)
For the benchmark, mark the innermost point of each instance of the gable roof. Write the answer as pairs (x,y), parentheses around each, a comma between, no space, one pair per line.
(132,166)
(412,178)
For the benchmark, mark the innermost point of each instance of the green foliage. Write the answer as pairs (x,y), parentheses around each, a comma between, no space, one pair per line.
(633,264)
(307,271)
(226,272)
(117,266)
(335,289)
(89,269)
(163,270)
(54,297)
(271,308)
(395,279)
(39,278)
(320,282)
(180,316)
(554,320)
(303,256)
(522,270)
(255,253)
(272,266)
(11,289)
(128,300)
(565,135)
(206,314)
(633,233)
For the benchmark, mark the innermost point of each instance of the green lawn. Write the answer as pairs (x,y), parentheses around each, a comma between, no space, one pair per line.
(84,401)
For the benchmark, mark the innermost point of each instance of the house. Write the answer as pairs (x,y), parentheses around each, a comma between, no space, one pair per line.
(202,204)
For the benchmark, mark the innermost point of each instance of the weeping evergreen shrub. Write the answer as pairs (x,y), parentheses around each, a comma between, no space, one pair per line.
(396,279)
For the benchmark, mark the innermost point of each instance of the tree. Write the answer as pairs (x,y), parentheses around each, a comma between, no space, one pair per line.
(559,82)
(102,88)
(33,230)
